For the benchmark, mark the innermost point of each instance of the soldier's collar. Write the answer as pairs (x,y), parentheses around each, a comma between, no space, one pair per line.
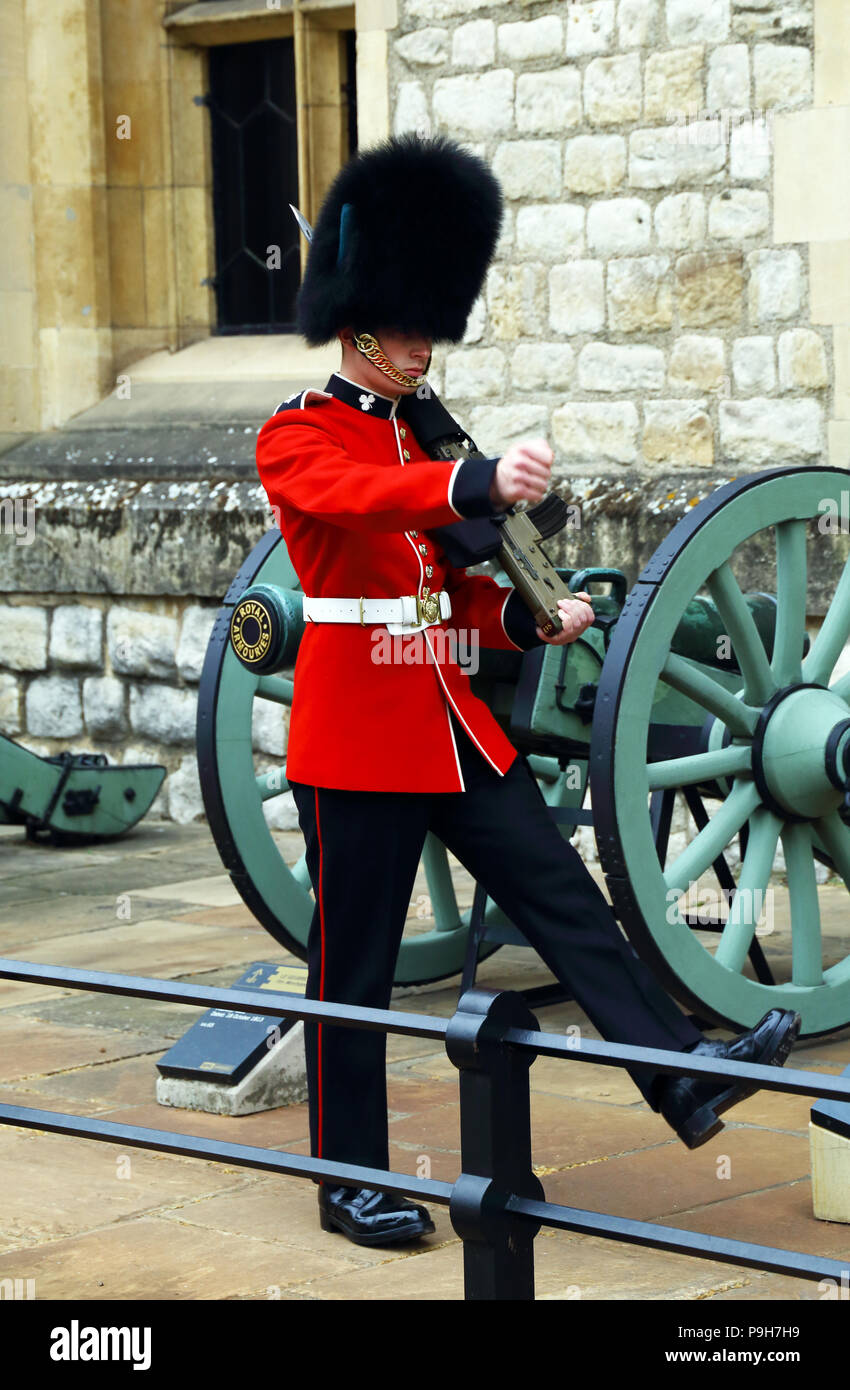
(369,402)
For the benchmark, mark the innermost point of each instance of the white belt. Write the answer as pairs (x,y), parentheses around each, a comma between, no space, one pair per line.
(397,614)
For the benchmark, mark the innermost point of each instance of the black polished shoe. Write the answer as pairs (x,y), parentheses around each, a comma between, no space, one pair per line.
(372,1218)
(692,1106)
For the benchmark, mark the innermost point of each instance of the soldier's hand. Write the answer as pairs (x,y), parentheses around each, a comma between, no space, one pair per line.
(522,473)
(576,615)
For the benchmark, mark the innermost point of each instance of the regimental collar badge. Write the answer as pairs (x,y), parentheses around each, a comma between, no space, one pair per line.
(370,402)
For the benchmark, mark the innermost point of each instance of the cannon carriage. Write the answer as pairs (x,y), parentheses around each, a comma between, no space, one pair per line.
(700,683)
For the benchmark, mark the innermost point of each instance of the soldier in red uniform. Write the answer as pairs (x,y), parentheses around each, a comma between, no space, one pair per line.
(382,751)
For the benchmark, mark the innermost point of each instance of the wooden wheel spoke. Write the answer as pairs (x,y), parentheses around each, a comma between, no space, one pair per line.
(743,634)
(300,872)
(275,688)
(700,767)
(835,630)
(272,783)
(440,885)
(746,905)
(713,838)
(806,949)
(834,836)
(689,680)
(790,602)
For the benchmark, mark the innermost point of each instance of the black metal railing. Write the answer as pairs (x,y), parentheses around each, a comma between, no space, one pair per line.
(497,1204)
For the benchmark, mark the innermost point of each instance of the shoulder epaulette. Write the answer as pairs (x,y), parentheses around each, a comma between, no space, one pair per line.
(300,399)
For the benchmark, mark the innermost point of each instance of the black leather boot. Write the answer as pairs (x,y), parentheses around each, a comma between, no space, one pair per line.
(692,1106)
(372,1218)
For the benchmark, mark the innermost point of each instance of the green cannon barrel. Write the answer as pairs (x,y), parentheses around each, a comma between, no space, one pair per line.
(701,634)
(268,623)
(266,627)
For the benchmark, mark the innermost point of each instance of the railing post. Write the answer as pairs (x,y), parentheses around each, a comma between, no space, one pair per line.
(495,1126)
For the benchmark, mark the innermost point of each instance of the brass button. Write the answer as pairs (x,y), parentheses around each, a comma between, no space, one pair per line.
(423,550)
(429,570)
(406,453)
(414,534)
(403,432)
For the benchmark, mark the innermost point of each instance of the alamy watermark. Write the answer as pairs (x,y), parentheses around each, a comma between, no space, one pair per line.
(834,516)
(17,518)
(703,906)
(712,129)
(444,646)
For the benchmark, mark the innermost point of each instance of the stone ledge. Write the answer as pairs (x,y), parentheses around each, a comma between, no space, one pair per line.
(162,452)
(133,537)
(173,534)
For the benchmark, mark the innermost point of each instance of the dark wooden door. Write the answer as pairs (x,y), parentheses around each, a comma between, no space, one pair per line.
(255,178)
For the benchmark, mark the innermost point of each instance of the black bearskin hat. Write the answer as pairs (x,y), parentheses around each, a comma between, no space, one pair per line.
(403,240)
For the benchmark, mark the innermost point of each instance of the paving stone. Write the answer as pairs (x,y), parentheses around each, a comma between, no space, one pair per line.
(434,1273)
(781,1217)
(22,923)
(658,1182)
(284,1209)
(772,1288)
(212,892)
(39,1048)
(774,1110)
(590,1268)
(236,916)
(129,1261)
(267,1129)
(20,1093)
(399,1048)
(110,1011)
(443,1165)
(60,879)
(153,948)
(128,1082)
(583,1081)
(563,1135)
(431,1128)
(408,1095)
(73,1185)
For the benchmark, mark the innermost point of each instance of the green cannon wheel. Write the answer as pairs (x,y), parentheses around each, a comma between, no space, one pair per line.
(234,795)
(768,767)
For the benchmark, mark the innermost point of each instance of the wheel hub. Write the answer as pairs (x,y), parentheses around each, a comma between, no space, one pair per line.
(799,750)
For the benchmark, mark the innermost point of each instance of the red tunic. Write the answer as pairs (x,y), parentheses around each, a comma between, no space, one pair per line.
(353,510)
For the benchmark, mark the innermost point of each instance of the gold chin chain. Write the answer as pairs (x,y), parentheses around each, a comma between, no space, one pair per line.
(369,346)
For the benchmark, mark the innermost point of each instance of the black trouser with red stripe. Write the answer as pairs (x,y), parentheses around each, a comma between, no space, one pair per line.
(363,850)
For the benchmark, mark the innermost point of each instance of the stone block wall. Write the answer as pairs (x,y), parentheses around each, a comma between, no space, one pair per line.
(120,677)
(638,312)
(107,603)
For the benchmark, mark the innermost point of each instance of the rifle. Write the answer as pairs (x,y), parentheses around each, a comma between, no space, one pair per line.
(514,537)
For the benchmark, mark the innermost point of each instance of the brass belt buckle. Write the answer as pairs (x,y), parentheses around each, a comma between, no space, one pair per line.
(360,605)
(428,608)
